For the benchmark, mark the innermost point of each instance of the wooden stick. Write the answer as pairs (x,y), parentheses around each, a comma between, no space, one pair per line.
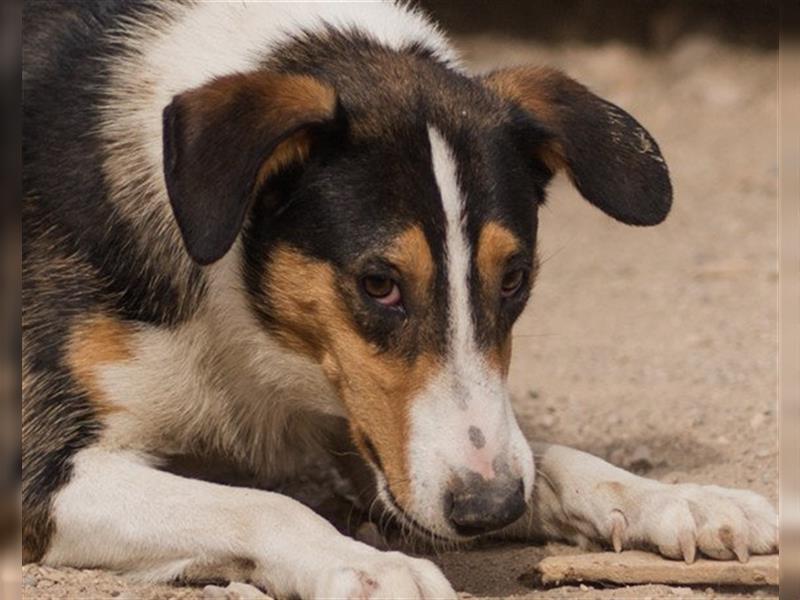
(643,567)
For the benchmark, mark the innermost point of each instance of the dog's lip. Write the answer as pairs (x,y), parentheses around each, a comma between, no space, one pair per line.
(385,493)
(406,518)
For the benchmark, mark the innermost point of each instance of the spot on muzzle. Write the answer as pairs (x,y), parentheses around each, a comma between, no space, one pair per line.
(476,437)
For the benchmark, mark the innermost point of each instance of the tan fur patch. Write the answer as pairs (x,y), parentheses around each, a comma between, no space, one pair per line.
(614,489)
(284,99)
(534,89)
(375,387)
(293,150)
(527,86)
(279,104)
(496,245)
(411,254)
(93,343)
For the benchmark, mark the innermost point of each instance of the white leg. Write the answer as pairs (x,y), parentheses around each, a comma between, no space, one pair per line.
(119,513)
(582,499)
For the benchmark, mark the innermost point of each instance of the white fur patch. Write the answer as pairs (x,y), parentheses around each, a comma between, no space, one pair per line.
(118,512)
(467,392)
(464,354)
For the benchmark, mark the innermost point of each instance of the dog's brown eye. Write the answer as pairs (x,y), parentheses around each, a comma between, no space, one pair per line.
(382,289)
(511,282)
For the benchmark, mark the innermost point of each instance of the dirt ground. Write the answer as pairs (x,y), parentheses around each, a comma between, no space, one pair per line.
(653,348)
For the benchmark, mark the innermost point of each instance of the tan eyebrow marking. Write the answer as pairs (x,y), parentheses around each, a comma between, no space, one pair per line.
(411,254)
(495,245)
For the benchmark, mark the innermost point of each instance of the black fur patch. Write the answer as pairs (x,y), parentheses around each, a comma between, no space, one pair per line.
(372,177)
(79,255)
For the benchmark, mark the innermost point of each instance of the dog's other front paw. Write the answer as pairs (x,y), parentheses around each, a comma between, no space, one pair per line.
(680,519)
(385,575)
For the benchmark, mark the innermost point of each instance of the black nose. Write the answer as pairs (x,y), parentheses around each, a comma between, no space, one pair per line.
(474,505)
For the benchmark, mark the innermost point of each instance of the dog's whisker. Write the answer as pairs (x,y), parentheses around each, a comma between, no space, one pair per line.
(344,453)
(543,259)
(532,335)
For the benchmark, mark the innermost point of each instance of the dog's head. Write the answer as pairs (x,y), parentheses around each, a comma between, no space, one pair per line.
(388,214)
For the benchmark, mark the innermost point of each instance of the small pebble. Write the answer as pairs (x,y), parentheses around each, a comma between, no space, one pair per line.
(214,592)
(640,460)
(681,591)
(50,574)
(235,591)
(757,420)
(246,591)
(547,421)
(584,587)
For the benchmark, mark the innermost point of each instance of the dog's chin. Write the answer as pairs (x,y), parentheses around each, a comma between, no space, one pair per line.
(408,522)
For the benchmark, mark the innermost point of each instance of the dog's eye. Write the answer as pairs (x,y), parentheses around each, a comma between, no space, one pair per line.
(382,289)
(512,281)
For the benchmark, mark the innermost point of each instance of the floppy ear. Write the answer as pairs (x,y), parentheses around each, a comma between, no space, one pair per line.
(224,139)
(612,160)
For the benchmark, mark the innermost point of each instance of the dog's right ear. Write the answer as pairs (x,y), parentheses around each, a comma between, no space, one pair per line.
(612,160)
(224,139)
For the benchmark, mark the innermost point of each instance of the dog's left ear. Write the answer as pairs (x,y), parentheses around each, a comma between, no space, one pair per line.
(612,160)
(224,139)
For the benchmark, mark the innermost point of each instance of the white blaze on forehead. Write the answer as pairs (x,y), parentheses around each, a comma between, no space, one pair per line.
(457,251)
(466,393)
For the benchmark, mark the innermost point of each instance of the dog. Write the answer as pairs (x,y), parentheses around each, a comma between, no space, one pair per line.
(247,224)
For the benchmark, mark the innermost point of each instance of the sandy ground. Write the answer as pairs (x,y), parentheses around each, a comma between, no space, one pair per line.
(653,348)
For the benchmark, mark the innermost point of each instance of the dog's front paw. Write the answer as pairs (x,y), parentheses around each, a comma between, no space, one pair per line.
(385,575)
(680,519)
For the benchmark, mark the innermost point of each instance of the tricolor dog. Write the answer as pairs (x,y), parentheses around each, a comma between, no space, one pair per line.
(248,223)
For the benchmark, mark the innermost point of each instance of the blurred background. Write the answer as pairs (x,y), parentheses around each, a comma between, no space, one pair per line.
(653,348)
(10,341)
(657,25)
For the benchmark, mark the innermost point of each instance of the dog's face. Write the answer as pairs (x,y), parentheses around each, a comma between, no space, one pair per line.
(390,236)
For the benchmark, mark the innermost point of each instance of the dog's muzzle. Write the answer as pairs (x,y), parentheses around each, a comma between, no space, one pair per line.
(474,505)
